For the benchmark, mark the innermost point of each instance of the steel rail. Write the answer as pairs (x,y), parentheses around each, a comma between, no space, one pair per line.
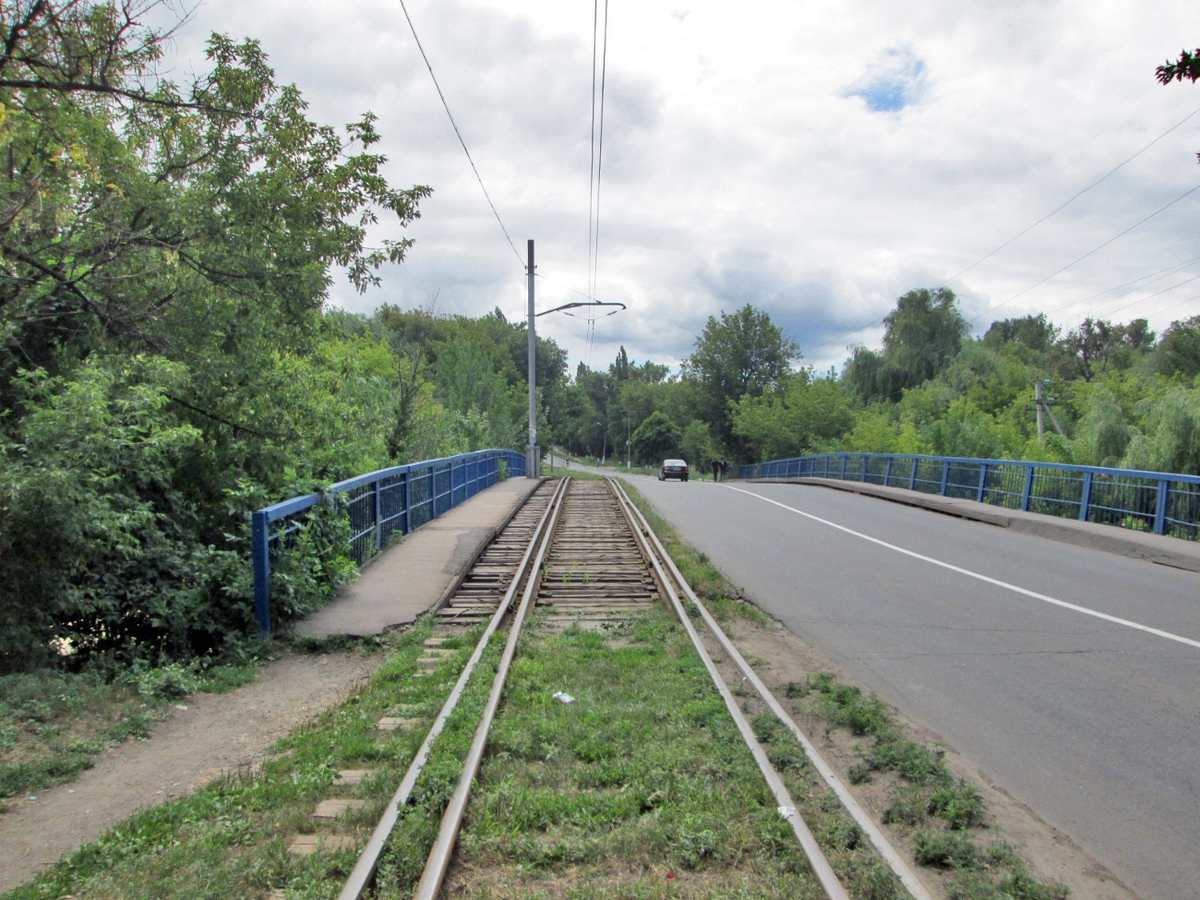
(364,870)
(817,860)
(878,839)
(439,857)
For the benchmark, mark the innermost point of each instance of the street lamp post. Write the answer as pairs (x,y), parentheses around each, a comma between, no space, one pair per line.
(603,442)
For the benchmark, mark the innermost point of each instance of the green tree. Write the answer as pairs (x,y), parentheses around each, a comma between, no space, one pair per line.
(802,416)
(1187,66)
(1032,339)
(742,353)
(656,438)
(1178,352)
(1171,440)
(1097,346)
(172,221)
(1103,433)
(165,253)
(696,444)
(923,334)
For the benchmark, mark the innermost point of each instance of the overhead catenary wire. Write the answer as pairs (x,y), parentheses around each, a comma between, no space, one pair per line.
(600,57)
(458,133)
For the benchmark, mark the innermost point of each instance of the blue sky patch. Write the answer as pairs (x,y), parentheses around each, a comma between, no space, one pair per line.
(893,81)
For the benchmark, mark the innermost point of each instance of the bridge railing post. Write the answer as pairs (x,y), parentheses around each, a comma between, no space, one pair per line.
(1027,494)
(1161,505)
(377,486)
(260,542)
(1085,499)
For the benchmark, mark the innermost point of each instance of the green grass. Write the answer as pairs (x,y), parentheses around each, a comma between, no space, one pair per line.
(641,788)
(643,776)
(944,815)
(53,724)
(230,839)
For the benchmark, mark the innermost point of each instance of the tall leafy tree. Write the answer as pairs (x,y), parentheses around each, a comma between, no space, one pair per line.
(803,415)
(183,221)
(165,253)
(656,438)
(740,354)
(1179,350)
(1098,346)
(923,334)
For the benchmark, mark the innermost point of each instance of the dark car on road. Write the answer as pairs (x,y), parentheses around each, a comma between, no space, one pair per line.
(673,468)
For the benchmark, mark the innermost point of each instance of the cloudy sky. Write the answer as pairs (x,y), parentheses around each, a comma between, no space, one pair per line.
(816,159)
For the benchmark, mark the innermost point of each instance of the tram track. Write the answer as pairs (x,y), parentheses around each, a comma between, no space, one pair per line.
(580,555)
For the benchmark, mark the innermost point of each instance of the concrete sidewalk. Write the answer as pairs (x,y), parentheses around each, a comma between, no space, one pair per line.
(1156,548)
(415,575)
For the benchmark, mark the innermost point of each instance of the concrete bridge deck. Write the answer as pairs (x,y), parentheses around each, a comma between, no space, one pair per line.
(413,576)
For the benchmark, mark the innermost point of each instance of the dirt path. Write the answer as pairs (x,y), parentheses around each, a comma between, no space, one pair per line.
(214,734)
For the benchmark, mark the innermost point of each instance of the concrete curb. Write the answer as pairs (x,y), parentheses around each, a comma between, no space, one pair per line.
(1155,548)
(453,586)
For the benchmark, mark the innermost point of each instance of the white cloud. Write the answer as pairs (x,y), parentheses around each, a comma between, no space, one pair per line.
(743,162)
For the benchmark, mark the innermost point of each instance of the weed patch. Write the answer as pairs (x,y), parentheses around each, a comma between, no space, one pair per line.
(642,777)
(943,815)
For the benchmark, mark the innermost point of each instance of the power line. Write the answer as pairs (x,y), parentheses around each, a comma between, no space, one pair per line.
(1023,232)
(1074,197)
(1146,279)
(1152,296)
(1075,262)
(1180,303)
(446,106)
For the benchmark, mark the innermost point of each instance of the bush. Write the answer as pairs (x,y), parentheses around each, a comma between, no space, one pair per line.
(945,849)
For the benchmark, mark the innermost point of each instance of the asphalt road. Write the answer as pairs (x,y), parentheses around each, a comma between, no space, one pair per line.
(1090,716)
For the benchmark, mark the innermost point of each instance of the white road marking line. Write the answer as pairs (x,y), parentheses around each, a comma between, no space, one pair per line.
(953,568)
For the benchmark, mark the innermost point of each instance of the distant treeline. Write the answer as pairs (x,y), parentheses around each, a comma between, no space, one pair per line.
(1122,395)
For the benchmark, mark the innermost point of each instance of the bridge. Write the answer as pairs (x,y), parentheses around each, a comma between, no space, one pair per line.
(1056,657)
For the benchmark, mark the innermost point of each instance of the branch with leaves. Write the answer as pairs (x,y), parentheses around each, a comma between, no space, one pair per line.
(1187,66)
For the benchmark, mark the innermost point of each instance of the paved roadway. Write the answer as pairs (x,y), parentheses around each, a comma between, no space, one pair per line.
(1092,723)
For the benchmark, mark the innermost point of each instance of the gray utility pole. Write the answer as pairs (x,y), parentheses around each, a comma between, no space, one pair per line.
(1043,409)
(533,468)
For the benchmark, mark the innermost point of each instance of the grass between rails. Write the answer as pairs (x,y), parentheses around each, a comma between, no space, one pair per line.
(53,724)
(640,788)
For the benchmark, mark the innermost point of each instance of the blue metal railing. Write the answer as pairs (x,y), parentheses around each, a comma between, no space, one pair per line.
(379,505)
(1145,501)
